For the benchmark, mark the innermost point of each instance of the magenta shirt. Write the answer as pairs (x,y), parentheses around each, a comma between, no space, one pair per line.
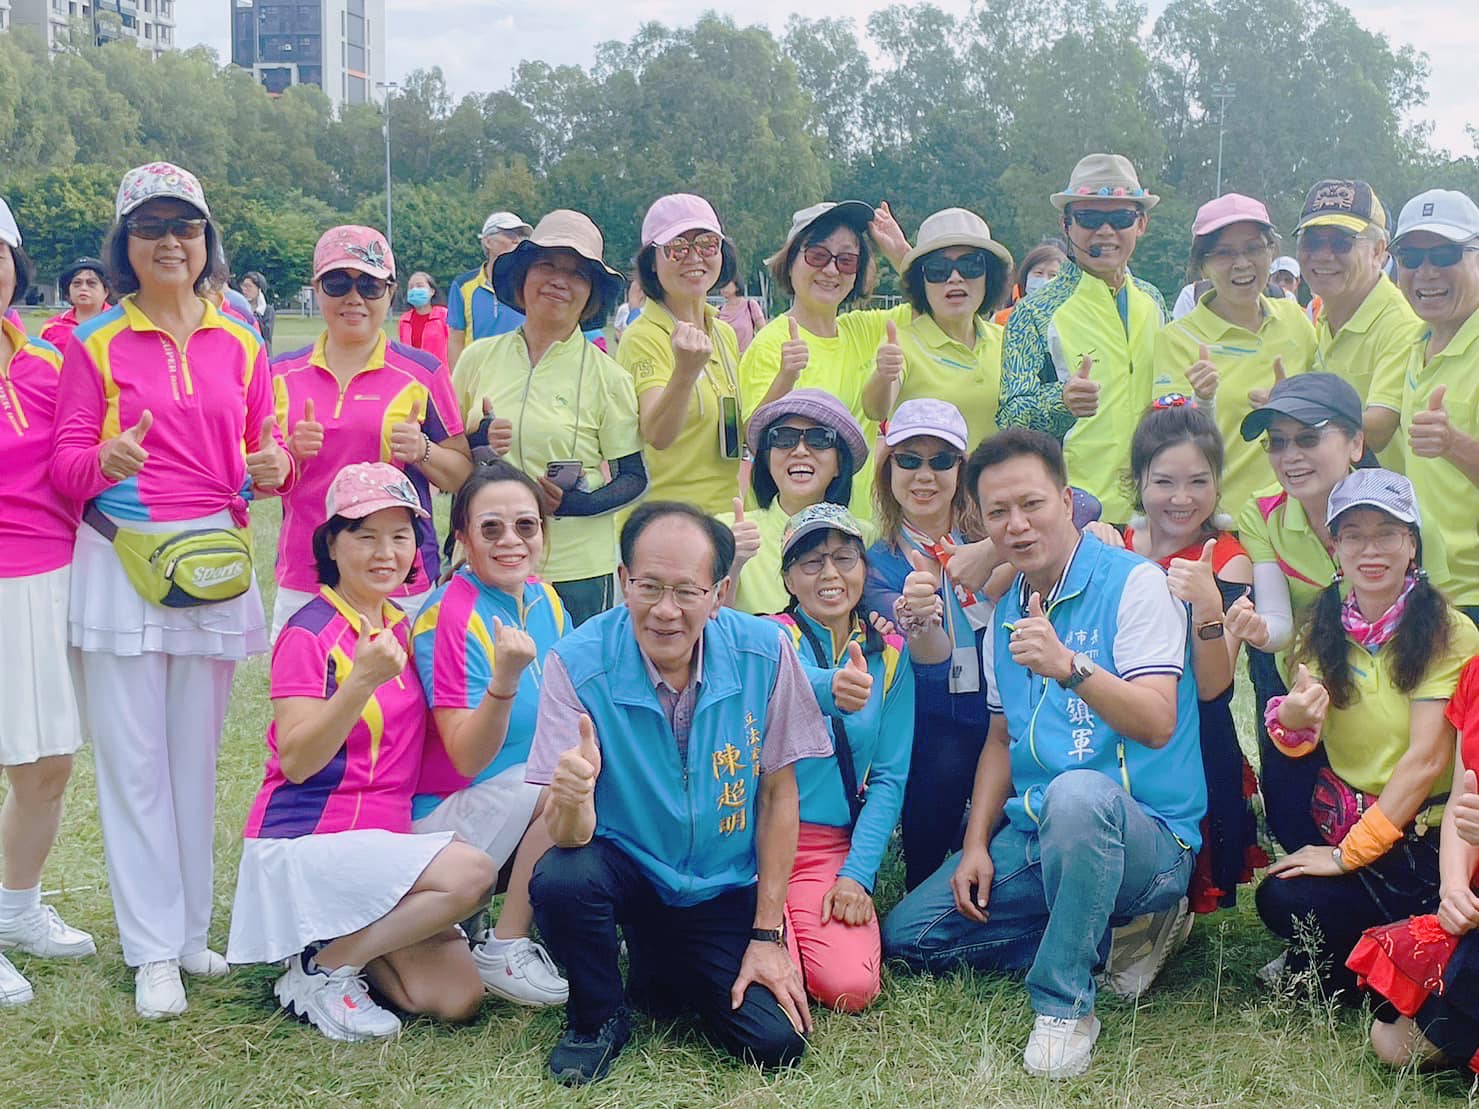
(357,421)
(37,524)
(369,781)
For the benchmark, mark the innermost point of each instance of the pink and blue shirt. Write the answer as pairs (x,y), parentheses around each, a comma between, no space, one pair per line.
(453,645)
(357,420)
(208,399)
(368,782)
(37,525)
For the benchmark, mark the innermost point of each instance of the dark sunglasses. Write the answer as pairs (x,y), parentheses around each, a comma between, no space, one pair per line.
(786,438)
(937,268)
(817,258)
(148,227)
(1334,240)
(707,245)
(1440,257)
(945,460)
(525,527)
(337,283)
(1091,219)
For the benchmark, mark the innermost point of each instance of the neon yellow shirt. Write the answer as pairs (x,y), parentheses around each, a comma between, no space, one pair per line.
(760,589)
(1244,361)
(576,404)
(937,366)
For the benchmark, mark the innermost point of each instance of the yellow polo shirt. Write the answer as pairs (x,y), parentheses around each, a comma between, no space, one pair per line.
(1273,527)
(760,589)
(1244,361)
(576,404)
(693,468)
(942,368)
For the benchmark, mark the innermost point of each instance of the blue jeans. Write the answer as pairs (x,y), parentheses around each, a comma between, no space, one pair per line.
(1095,859)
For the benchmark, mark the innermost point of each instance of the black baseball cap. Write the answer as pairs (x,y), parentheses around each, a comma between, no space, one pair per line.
(95,264)
(1311,399)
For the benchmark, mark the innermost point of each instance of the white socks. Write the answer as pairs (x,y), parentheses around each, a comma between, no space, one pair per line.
(14,903)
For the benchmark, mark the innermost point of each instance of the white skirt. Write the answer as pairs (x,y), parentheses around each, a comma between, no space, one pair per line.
(294,892)
(108,615)
(38,672)
(492,815)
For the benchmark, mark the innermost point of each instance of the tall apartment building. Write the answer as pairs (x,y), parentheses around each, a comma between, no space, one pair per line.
(338,45)
(151,23)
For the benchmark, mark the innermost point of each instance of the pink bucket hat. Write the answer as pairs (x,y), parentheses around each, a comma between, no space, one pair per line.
(364,488)
(676,213)
(155,181)
(355,247)
(1227,209)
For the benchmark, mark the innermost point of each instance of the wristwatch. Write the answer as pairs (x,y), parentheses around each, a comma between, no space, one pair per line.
(1340,860)
(1083,666)
(1210,629)
(769,935)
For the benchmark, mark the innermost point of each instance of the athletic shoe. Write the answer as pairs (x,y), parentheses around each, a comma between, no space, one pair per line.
(1272,973)
(1139,950)
(335,1002)
(40,931)
(204,963)
(1060,1047)
(520,971)
(580,1058)
(14,989)
(158,991)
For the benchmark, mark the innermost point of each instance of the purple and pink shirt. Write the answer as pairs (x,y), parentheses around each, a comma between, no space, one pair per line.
(369,781)
(357,420)
(208,399)
(37,524)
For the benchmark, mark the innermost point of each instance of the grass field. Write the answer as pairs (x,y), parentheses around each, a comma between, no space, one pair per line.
(1208,1035)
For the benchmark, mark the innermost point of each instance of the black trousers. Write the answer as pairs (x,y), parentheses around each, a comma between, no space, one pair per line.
(582,894)
(942,773)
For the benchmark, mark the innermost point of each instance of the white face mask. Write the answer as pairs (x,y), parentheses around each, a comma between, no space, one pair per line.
(1034,282)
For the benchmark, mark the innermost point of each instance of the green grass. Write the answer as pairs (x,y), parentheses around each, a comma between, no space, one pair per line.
(1208,1035)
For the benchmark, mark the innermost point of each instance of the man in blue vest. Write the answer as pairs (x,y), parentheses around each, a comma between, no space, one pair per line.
(473,308)
(667,733)
(1093,756)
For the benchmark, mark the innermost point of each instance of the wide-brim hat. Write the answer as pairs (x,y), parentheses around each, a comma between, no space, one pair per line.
(955,227)
(1104,177)
(818,406)
(570,230)
(851,213)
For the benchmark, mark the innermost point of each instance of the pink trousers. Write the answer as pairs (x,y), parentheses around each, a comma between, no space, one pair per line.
(839,962)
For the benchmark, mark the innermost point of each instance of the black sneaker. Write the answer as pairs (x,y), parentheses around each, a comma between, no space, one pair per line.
(580,1057)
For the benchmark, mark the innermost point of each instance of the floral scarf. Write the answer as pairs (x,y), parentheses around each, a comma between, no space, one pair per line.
(1372,634)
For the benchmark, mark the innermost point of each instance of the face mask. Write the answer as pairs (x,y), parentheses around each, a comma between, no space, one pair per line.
(1035,282)
(418,297)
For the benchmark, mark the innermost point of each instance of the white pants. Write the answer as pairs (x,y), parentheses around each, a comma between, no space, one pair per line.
(156,723)
(289,601)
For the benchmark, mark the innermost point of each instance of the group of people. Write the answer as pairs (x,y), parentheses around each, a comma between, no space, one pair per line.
(716,615)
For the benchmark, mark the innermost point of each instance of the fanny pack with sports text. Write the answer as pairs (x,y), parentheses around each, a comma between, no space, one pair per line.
(182,569)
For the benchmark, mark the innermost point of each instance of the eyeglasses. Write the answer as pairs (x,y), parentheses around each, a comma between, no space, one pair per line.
(708,244)
(945,460)
(1226,255)
(1440,257)
(1091,219)
(1306,440)
(525,527)
(818,258)
(337,283)
(844,558)
(1332,239)
(148,227)
(1386,541)
(937,268)
(649,592)
(786,438)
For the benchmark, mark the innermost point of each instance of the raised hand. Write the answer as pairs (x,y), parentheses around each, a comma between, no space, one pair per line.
(513,651)
(408,442)
(269,465)
(123,456)
(1193,582)
(852,685)
(1465,810)
(1306,703)
(691,350)
(491,438)
(888,234)
(794,354)
(1431,434)
(1202,374)
(1080,392)
(890,362)
(1243,622)
(573,782)
(1034,643)
(921,588)
(971,564)
(1257,398)
(378,656)
(746,534)
(307,437)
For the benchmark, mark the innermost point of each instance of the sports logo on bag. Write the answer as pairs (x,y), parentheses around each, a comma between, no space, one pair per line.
(203,577)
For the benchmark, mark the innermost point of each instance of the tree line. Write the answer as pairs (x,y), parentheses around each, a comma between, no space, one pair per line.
(925,109)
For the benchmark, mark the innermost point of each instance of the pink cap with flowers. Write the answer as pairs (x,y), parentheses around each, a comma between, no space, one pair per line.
(353,247)
(155,181)
(364,488)
(676,213)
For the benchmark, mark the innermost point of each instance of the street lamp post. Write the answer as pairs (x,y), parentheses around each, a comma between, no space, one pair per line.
(1223,93)
(389,87)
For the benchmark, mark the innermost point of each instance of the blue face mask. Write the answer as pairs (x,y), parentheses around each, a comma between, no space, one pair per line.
(418,297)
(1034,282)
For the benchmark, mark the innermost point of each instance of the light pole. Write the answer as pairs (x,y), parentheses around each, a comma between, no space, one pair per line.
(1223,93)
(389,88)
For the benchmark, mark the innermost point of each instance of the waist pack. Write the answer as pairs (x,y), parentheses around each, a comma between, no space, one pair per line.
(1336,807)
(183,569)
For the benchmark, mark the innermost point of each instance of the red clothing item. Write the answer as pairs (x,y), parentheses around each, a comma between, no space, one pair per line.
(58,330)
(428,332)
(1227,549)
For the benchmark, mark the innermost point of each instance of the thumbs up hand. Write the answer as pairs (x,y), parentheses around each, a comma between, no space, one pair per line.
(852,685)
(1202,375)
(1192,581)
(1431,433)
(491,438)
(1080,392)
(890,362)
(408,443)
(573,783)
(921,589)
(1257,398)
(269,465)
(1465,809)
(746,536)
(1035,644)
(1306,703)
(307,437)
(794,355)
(124,455)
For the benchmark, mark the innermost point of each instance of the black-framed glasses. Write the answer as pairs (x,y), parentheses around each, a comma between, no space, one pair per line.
(687,597)
(1306,440)
(819,257)
(1336,240)
(844,558)
(816,438)
(707,244)
(337,283)
(944,460)
(1091,219)
(151,227)
(937,268)
(525,527)
(1440,257)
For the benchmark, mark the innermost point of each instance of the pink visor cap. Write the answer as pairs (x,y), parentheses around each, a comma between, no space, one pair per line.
(353,247)
(364,488)
(1227,209)
(672,215)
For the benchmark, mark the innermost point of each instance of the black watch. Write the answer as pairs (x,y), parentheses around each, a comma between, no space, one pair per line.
(1083,666)
(769,935)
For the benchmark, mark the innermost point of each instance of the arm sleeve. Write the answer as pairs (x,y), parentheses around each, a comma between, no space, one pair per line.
(557,727)
(886,778)
(1271,599)
(626,485)
(1151,633)
(77,437)
(1027,400)
(794,728)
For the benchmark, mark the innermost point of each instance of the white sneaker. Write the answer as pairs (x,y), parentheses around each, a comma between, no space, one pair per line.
(14,989)
(204,963)
(1138,950)
(335,1002)
(1060,1047)
(158,991)
(522,972)
(40,931)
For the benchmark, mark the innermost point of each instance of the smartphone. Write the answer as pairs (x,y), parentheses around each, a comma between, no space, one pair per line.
(565,473)
(730,441)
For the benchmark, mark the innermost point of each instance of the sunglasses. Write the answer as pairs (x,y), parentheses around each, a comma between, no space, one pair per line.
(149,227)
(707,245)
(1091,219)
(1440,257)
(786,438)
(1306,440)
(818,257)
(525,527)
(945,460)
(337,283)
(1334,240)
(937,268)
